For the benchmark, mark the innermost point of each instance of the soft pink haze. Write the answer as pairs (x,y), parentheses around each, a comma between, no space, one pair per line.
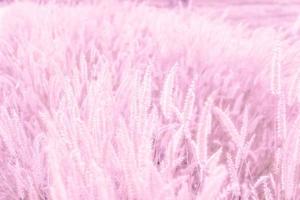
(149,100)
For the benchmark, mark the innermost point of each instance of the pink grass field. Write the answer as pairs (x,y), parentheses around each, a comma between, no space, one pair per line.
(150,100)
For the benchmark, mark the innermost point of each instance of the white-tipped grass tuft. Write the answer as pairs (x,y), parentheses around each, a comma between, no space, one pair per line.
(189,104)
(166,98)
(228,125)
(204,129)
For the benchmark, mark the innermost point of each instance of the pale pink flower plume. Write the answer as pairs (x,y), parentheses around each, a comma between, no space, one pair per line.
(149,100)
